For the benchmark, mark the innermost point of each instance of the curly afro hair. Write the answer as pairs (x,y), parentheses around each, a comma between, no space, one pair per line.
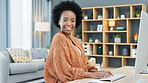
(63,6)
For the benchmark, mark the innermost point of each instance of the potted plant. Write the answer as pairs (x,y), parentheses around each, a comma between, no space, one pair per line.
(78,32)
(99,16)
(117,38)
(90,39)
(138,13)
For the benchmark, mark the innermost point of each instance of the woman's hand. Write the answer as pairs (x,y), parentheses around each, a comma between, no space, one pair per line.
(98,74)
(101,74)
(108,72)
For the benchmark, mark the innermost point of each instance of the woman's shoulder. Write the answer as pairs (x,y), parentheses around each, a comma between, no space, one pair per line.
(59,38)
(75,38)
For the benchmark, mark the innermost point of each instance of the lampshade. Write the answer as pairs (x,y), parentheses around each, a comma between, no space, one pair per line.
(111,23)
(42,26)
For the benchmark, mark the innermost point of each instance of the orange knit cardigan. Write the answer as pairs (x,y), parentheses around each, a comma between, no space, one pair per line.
(64,62)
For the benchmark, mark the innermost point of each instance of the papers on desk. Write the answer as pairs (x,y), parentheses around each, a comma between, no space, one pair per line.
(114,78)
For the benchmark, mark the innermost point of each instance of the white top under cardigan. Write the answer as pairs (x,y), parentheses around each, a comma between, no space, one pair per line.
(78,50)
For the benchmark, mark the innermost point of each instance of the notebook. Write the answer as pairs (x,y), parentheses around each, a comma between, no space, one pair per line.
(114,78)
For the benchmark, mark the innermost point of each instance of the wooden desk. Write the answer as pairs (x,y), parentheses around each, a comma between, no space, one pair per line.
(123,70)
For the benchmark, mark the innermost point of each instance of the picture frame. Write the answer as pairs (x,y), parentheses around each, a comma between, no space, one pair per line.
(99,27)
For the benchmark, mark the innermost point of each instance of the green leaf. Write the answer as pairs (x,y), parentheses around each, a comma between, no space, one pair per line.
(78,31)
(138,12)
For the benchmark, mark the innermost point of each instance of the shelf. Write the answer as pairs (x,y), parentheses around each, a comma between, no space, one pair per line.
(135,18)
(93,20)
(137,4)
(138,18)
(119,56)
(109,68)
(113,56)
(95,55)
(110,43)
(88,8)
(115,31)
(122,44)
(108,13)
(91,43)
(129,57)
(92,31)
(134,43)
(118,43)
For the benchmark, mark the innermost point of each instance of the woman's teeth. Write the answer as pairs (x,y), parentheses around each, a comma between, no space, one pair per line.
(68,28)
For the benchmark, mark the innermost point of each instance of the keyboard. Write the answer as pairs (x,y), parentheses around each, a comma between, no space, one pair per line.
(114,78)
(144,71)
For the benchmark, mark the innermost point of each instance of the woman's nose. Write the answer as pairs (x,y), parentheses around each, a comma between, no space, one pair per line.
(69,23)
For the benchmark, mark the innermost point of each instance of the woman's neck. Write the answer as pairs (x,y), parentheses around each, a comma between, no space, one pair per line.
(66,34)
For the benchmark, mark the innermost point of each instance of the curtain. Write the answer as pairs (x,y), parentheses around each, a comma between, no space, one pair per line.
(21,23)
(4,25)
(41,12)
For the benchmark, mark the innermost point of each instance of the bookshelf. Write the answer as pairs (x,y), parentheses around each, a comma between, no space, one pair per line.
(106,36)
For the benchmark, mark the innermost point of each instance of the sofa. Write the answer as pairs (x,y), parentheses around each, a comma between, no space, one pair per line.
(11,72)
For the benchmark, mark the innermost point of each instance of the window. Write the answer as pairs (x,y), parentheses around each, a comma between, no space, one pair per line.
(21,23)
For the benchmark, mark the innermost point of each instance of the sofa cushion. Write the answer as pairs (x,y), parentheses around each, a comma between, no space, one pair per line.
(39,53)
(40,64)
(18,55)
(17,68)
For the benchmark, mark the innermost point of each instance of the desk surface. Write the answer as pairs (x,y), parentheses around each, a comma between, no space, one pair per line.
(123,70)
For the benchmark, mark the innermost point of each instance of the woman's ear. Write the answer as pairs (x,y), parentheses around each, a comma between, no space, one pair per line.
(59,22)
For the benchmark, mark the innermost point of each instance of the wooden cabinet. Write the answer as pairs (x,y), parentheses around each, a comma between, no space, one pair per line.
(124,16)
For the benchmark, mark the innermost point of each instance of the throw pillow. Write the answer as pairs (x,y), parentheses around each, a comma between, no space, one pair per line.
(39,53)
(18,55)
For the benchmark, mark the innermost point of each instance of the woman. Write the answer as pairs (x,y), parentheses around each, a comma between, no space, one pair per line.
(66,60)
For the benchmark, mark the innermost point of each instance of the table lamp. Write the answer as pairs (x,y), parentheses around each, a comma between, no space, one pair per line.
(42,27)
(111,24)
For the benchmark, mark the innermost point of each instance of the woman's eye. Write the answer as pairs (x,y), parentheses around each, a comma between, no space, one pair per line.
(65,20)
(73,20)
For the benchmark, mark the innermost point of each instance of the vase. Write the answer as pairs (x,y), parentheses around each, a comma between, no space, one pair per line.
(138,15)
(100,50)
(99,17)
(125,52)
(117,40)
(110,52)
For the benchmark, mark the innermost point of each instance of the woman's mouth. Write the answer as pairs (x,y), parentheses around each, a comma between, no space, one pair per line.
(68,29)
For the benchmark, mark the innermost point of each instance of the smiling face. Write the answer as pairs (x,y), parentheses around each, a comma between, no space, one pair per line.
(67,21)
